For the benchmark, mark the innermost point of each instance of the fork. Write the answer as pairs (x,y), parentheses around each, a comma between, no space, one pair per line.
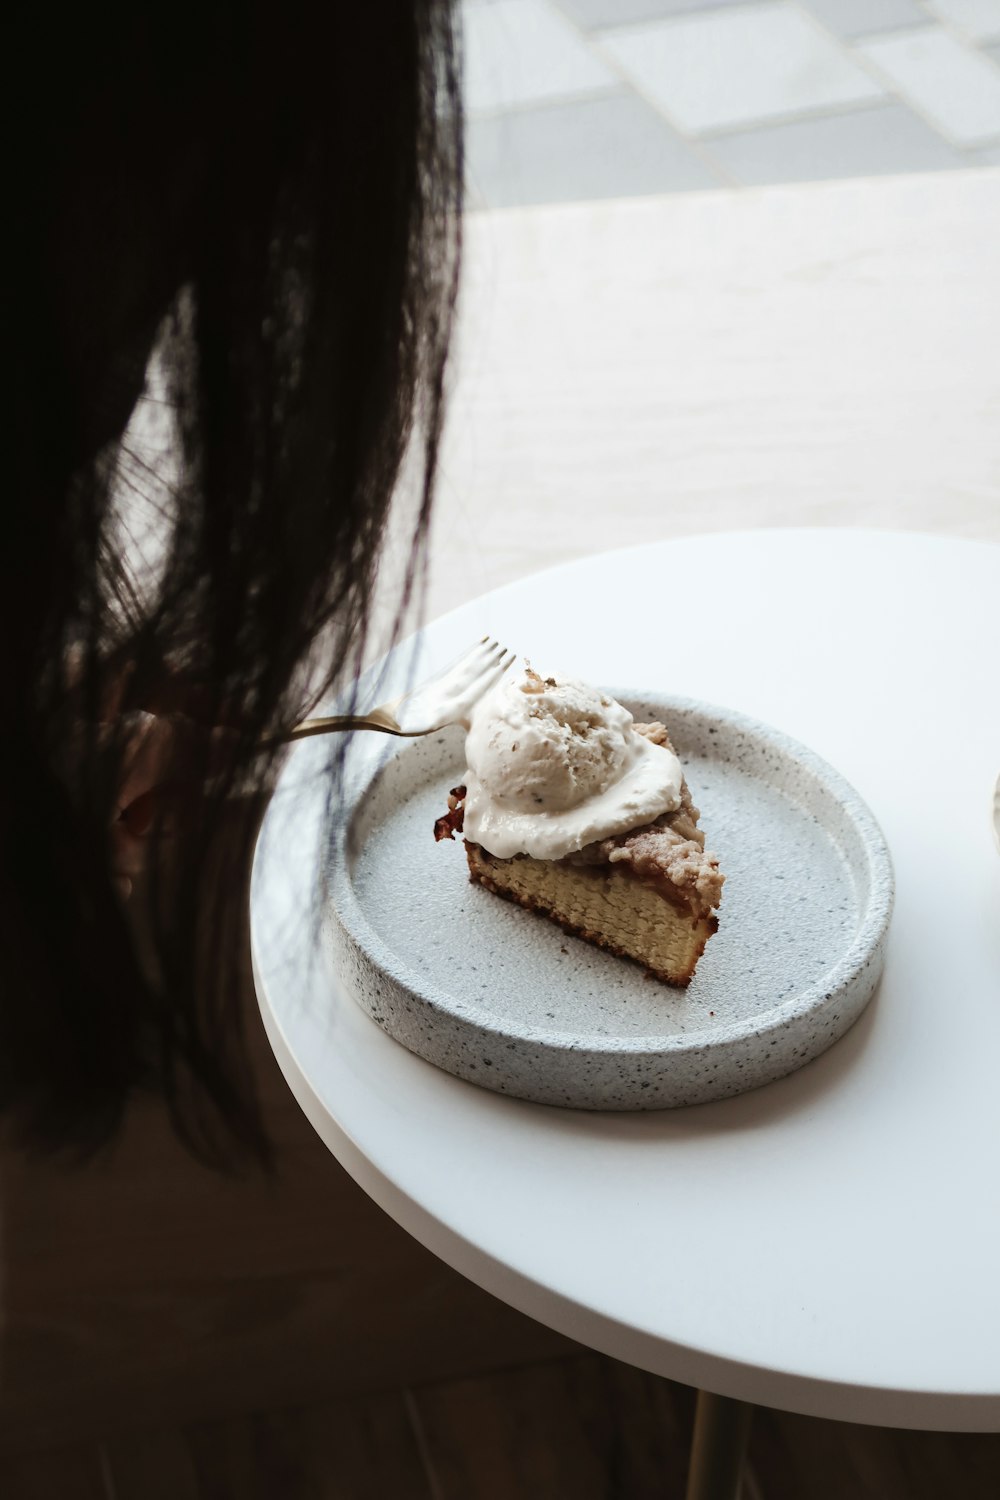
(448,698)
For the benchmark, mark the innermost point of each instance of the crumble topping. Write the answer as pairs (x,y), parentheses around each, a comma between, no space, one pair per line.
(672,847)
(447,826)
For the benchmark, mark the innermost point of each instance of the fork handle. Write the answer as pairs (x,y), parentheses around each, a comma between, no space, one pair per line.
(379,722)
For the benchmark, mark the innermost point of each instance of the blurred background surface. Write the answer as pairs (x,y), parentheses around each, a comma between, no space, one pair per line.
(580,99)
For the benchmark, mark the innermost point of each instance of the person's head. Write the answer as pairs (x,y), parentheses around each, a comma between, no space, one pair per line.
(269,195)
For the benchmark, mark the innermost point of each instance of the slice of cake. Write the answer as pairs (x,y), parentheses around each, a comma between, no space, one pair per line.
(577,813)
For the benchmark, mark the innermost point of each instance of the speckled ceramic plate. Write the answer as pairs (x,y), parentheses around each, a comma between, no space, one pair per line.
(504,998)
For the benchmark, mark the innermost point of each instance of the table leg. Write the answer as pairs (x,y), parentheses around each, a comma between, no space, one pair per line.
(721,1430)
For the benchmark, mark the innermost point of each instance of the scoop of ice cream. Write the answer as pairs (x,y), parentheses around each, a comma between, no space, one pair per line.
(554,765)
(539,745)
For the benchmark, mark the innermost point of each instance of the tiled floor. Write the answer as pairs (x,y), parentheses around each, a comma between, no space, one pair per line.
(576,99)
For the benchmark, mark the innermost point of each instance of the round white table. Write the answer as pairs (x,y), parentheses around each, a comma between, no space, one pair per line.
(829,1244)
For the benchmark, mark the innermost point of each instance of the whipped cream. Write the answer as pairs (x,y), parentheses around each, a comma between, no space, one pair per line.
(555,765)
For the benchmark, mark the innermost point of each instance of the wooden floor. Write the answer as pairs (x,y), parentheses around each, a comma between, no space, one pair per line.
(585,1428)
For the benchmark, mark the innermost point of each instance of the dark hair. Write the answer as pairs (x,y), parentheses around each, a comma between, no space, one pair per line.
(269,195)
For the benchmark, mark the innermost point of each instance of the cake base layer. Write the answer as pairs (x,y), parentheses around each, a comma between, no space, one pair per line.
(603,905)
